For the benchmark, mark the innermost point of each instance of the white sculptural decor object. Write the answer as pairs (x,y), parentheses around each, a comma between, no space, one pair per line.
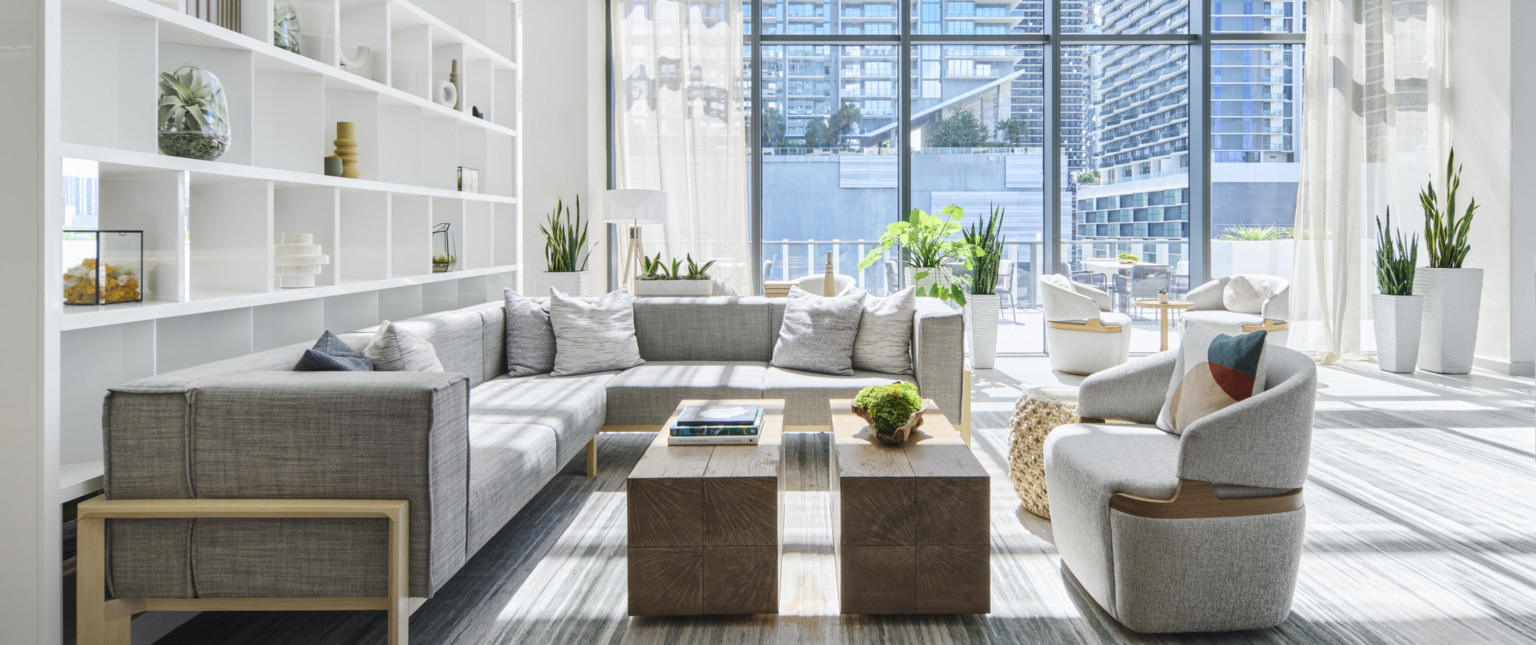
(298,260)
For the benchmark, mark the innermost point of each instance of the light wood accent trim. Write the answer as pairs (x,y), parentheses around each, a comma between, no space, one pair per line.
(592,457)
(99,620)
(1089,420)
(1197,499)
(1270,324)
(1093,325)
(965,407)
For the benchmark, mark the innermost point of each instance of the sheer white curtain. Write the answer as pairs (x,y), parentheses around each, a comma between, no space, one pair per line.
(1374,131)
(679,126)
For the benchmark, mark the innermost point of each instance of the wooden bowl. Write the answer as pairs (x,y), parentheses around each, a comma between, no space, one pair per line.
(900,435)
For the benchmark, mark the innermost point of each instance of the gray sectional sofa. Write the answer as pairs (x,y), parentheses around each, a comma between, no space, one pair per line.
(467,447)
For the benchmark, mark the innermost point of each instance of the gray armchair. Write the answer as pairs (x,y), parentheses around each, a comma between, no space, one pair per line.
(1200,532)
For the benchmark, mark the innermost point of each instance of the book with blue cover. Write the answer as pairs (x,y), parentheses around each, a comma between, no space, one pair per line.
(720,415)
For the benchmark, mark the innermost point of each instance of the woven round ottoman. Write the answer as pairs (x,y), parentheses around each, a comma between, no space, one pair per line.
(1038,412)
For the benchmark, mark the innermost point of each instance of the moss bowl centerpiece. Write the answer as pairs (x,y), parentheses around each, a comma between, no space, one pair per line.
(892,411)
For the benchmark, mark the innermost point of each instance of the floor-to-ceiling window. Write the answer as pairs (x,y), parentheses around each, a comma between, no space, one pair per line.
(1159,129)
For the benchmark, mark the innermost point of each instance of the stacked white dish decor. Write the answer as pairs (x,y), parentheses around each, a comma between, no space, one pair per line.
(297,260)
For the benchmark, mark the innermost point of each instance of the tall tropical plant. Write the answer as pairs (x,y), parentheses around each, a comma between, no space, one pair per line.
(773,127)
(1012,131)
(816,133)
(986,242)
(926,242)
(843,121)
(1395,259)
(565,239)
(961,130)
(1445,233)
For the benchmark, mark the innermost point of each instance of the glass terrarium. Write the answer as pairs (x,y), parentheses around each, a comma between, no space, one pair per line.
(103,267)
(443,258)
(193,114)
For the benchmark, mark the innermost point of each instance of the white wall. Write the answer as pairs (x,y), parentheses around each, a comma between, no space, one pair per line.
(1481,42)
(1522,228)
(29,257)
(565,107)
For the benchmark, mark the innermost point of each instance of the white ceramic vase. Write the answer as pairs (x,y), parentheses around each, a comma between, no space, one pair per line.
(571,283)
(981,329)
(1398,320)
(1451,301)
(674,288)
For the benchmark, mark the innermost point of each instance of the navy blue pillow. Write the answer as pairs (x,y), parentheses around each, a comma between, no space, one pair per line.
(332,354)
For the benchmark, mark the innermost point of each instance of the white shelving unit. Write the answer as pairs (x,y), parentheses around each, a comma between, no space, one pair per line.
(209,226)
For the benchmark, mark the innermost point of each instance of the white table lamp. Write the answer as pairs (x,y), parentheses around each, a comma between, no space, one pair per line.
(634,207)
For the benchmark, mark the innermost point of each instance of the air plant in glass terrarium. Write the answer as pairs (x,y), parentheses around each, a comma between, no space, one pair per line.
(193,116)
(285,27)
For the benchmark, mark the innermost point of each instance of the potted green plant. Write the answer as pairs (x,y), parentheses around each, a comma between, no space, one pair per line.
(1127,258)
(658,278)
(985,240)
(927,243)
(1452,293)
(565,252)
(1396,312)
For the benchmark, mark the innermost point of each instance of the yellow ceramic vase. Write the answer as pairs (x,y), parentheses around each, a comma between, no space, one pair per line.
(346,148)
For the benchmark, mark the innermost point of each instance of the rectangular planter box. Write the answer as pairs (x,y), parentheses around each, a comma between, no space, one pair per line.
(1451,301)
(571,283)
(674,288)
(1397,320)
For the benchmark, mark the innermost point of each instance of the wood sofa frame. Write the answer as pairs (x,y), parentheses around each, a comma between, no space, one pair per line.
(100,621)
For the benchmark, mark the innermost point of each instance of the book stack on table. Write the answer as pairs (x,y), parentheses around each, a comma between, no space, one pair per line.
(716,425)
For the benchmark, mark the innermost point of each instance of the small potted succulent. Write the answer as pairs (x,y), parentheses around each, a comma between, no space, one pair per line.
(1162,295)
(657,278)
(193,115)
(892,411)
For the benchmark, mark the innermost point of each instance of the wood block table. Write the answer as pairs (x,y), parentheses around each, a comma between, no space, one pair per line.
(704,523)
(910,522)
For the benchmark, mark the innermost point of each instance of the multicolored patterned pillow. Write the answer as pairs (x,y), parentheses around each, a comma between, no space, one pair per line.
(1213,371)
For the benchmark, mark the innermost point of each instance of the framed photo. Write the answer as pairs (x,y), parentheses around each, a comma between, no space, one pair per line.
(469,180)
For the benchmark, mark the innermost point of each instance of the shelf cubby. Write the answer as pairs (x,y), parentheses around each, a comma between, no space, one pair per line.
(307,209)
(352,311)
(235,70)
(188,341)
(90,361)
(410,232)
(506,102)
(440,159)
(362,109)
(286,323)
(366,24)
(400,303)
(499,152)
(110,99)
(451,211)
(399,144)
(133,198)
(410,56)
(444,53)
(439,296)
(479,250)
(507,227)
(230,232)
(317,29)
(363,252)
(290,120)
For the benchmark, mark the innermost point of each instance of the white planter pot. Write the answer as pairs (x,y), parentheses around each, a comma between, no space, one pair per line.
(1451,301)
(571,283)
(935,276)
(981,329)
(674,288)
(1397,320)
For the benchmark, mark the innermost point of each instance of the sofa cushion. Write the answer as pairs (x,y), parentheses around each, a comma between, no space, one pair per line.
(806,394)
(704,329)
(508,464)
(395,349)
(818,333)
(530,337)
(573,406)
(1085,464)
(648,394)
(593,336)
(884,343)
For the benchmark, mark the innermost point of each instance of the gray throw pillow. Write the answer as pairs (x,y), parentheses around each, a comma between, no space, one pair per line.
(818,333)
(884,343)
(593,337)
(530,337)
(397,350)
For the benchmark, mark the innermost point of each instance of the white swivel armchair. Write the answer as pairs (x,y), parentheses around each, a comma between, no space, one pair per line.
(1242,304)
(1082,335)
(814,284)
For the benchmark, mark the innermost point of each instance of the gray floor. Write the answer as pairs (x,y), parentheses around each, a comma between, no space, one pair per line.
(1421,529)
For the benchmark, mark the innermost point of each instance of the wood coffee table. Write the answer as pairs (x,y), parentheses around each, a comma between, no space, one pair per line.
(911,522)
(704,523)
